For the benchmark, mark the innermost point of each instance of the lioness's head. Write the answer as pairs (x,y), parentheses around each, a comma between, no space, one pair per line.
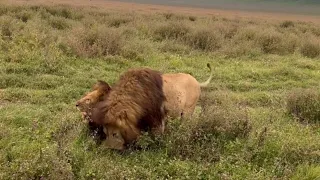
(98,93)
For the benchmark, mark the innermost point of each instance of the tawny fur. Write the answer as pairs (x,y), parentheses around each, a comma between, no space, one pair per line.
(98,93)
(181,90)
(133,105)
(85,104)
(182,93)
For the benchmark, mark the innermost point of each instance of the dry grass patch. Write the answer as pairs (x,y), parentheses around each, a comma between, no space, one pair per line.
(65,12)
(24,15)
(304,104)
(287,24)
(270,41)
(95,42)
(136,49)
(117,20)
(9,26)
(171,30)
(273,42)
(203,138)
(206,39)
(310,48)
(59,23)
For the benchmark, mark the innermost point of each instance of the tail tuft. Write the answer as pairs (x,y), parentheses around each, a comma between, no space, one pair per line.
(205,84)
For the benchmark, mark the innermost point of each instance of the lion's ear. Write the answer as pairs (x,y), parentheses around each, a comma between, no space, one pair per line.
(102,86)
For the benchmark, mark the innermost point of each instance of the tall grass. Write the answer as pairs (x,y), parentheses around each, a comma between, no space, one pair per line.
(95,42)
(311,48)
(219,36)
(245,122)
(305,105)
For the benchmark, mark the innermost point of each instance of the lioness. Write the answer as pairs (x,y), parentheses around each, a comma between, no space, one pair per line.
(182,93)
(97,94)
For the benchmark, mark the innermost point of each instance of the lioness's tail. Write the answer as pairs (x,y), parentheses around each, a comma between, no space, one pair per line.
(205,84)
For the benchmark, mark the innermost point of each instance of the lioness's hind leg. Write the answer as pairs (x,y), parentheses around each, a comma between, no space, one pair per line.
(188,112)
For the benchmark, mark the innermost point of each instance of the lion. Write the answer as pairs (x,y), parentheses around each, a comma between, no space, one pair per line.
(182,92)
(134,104)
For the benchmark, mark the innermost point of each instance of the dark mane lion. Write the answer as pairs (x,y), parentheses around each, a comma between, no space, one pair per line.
(135,104)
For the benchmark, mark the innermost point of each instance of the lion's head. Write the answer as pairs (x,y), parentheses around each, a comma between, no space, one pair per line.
(114,139)
(134,104)
(99,91)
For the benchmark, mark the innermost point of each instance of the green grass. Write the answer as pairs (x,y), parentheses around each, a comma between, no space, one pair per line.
(51,56)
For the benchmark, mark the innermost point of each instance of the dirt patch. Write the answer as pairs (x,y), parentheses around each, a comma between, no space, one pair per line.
(147,8)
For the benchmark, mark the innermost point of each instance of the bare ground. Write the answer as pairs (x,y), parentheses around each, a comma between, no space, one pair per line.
(147,8)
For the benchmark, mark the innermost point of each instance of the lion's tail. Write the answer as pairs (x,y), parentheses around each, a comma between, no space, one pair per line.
(205,84)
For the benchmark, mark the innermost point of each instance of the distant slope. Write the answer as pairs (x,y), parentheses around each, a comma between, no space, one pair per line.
(307,7)
(311,2)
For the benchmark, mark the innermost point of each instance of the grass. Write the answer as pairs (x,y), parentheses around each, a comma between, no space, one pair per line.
(305,105)
(246,122)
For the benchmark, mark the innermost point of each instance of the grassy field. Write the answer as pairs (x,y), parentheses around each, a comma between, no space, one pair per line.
(307,7)
(259,119)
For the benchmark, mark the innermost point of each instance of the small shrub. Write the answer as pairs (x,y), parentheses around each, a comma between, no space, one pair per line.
(204,137)
(168,15)
(270,42)
(304,104)
(205,39)
(3,10)
(226,29)
(135,49)
(310,49)
(249,33)
(273,42)
(286,24)
(315,30)
(307,172)
(6,29)
(9,26)
(171,30)
(290,44)
(95,42)
(192,18)
(225,116)
(116,21)
(173,16)
(235,49)
(24,15)
(228,123)
(182,141)
(58,23)
(59,11)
